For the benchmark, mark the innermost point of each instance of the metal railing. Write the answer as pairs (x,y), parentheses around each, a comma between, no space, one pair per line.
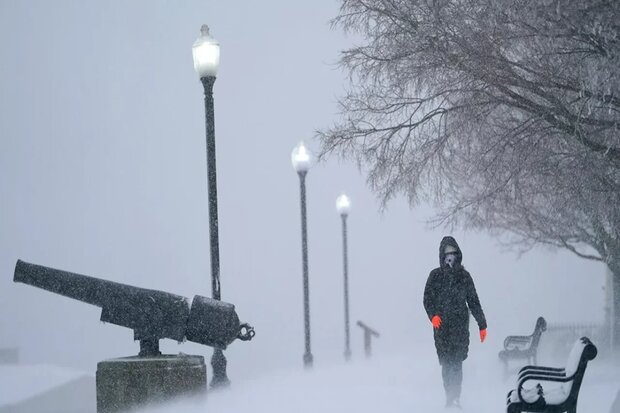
(559,338)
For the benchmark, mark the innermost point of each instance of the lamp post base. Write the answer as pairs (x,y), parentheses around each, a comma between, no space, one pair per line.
(308,360)
(218,363)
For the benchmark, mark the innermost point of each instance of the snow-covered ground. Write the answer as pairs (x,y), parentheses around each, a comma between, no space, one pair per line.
(45,388)
(398,383)
(22,382)
(384,384)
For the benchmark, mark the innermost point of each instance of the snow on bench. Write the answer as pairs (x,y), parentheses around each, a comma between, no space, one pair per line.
(555,390)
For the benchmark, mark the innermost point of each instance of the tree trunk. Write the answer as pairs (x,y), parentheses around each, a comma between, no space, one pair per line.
(615,315)
(615,307)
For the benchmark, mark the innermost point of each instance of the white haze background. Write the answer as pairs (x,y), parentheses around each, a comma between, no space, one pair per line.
(103,172)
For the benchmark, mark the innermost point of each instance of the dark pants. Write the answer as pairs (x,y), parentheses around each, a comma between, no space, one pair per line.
(452,374)
(615,407)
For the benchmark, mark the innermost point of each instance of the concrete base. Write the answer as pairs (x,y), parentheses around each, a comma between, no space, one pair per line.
(129,382)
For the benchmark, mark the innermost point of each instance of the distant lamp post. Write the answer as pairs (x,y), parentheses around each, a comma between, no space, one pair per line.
(343,205)
(206,53)
(302,159)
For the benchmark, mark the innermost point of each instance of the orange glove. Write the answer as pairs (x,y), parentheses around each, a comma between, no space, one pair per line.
(483,335)
(436,320)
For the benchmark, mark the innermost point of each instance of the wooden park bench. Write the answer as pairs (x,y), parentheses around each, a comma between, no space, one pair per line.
(554,390)
(523,347)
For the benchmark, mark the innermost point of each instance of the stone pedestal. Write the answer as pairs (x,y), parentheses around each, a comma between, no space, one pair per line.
(129,382)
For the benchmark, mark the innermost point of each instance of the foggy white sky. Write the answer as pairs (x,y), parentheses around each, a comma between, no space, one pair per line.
(103,172)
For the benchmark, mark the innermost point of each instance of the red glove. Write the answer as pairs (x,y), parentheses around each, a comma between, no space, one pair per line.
(483,335)
(436,320)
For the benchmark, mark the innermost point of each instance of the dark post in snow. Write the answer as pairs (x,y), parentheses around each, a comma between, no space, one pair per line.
(206,53)
(368,334)
(300,158)
(615,313)
(126,383)
(343,205)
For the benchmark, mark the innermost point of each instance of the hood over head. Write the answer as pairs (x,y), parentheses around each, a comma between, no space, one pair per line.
(451,242)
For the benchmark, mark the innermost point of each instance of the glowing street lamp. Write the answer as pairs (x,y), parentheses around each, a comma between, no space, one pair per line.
(206,54)
(301,159)
(343,205)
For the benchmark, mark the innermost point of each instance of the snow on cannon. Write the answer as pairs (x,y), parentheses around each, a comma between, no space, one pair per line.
(152,315)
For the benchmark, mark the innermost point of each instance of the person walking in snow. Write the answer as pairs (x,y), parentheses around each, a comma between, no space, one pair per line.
(449,296)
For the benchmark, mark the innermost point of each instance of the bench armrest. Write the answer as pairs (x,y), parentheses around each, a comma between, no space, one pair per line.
(540,377)
(516,340)
(543,377)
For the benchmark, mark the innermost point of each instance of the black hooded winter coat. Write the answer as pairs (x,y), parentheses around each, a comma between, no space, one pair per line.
(450,293)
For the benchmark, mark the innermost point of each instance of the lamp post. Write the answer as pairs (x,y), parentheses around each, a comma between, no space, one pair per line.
(343,205)
(301,159)
(206,54)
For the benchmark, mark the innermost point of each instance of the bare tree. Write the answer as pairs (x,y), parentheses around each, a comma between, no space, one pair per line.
(505,114)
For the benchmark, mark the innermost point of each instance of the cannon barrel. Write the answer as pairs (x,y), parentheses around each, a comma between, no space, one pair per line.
(152,314)
(90,290)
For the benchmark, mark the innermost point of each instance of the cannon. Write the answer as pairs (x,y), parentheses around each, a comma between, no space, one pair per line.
(151,314)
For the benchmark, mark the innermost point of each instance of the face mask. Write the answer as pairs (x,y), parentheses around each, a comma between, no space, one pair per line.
(450,260)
